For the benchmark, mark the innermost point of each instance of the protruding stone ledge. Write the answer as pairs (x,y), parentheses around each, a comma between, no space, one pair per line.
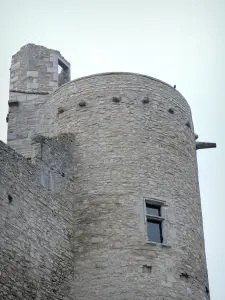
(13,103)
(29,92)
(205,145)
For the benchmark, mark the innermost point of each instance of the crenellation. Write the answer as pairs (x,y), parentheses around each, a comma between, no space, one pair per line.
(83,159)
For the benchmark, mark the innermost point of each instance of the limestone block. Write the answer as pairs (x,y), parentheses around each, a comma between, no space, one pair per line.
(53,83)
(52,69)
(14,79)
(32,85)
(15,66)
(55,76)
(32,73)
(96,239)
(22,97)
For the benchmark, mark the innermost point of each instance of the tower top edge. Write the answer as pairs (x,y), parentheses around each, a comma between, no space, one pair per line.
(32,45)
(121,73)
(118,74)
(40,48)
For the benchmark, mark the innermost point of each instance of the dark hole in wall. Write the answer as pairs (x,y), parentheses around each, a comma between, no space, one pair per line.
(60,110)
(10,198)
(82,103)
(188,124)
(171,111)
(147,269)
(184,276)
(13,103)
(116,99)
(145,100)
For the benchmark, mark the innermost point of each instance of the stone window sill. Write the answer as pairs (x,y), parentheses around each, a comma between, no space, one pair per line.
(158,244)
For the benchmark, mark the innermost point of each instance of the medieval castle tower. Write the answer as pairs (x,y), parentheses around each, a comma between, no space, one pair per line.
(99,187)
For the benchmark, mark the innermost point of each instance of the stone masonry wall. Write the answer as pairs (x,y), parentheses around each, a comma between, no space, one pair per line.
(24,117)
(134,140)
(36,223)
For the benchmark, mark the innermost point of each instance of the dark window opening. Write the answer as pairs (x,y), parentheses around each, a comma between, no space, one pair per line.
(153,210)
(154,231)
(63,73)
(10,198)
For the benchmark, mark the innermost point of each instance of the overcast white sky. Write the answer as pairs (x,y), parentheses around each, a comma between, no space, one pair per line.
(181,42)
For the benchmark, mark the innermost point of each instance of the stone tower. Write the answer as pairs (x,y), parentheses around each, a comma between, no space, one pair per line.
(35,73)
(102,201)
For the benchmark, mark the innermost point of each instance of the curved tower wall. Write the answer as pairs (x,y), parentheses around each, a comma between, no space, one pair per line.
(134,141)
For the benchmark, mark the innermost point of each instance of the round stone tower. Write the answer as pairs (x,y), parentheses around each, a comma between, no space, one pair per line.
(138,225)
(138,230)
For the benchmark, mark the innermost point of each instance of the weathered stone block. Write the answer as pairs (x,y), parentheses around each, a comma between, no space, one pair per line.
(32,85)
(15,78)
(53,83)
(32,74)
(52,69)
(15,66)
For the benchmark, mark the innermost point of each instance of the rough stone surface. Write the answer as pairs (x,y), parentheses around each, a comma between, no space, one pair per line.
(36,257)
(82,193)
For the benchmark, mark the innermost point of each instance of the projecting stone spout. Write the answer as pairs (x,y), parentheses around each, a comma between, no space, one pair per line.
(205,145)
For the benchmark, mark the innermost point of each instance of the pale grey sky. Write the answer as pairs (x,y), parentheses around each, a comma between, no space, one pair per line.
(179,41)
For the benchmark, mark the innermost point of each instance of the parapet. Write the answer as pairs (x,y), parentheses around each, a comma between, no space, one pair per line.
(37,69)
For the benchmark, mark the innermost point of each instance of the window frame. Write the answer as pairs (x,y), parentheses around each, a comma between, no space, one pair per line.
(65,68)
(153,218)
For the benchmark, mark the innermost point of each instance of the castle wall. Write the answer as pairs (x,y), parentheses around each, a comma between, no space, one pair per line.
(24,117)
(130,146)
(36,221)
(130,138)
